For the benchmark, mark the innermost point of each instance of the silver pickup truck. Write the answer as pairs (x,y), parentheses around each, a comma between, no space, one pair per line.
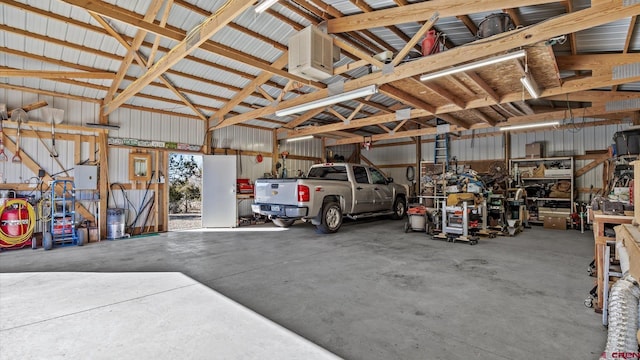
(327,193)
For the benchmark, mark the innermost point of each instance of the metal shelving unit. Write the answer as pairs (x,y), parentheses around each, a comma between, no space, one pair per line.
(556,169)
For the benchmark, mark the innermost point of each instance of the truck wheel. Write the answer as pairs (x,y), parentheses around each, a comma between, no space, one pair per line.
(282,222)
(399,208)
(331,218)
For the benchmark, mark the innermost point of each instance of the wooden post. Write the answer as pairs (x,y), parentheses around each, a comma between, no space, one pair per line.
(274,154)
(417,171)
(103,149)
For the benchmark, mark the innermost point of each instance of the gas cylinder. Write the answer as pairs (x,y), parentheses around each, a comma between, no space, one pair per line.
(429,44)
(14,221)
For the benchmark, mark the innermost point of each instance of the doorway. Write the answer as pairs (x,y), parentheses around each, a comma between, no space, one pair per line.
(185,191)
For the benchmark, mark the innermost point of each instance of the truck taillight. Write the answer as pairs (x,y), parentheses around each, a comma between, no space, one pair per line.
(303,193)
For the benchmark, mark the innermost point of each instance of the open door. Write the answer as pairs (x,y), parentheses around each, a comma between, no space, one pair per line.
(219,204)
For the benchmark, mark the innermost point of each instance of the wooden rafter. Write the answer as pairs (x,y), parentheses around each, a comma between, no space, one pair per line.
(575,21)
(420,11)
(152,11)
(208,27)
(156,41)
(169,32)
(135,55)
(57,74)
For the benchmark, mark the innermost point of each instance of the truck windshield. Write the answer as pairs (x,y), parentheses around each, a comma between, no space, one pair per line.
(329,173)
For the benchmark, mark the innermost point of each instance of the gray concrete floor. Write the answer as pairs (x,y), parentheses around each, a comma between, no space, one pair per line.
(373,292)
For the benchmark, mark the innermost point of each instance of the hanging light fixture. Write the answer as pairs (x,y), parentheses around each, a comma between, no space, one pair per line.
(474,65)
(330,100)
(307,137)
(529,126)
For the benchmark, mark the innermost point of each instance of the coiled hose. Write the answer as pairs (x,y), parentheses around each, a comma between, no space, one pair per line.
(7,240)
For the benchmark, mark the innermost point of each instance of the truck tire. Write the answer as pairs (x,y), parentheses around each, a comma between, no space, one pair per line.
(399,208)
(331,218)
(283,223)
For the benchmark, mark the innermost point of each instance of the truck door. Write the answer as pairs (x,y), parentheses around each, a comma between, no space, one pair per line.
(382,192)
(363,193)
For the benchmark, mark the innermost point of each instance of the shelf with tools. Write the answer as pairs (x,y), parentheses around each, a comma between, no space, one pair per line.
(549,186)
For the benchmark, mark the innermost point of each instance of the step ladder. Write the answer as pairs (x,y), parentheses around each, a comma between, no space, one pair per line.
(441,153)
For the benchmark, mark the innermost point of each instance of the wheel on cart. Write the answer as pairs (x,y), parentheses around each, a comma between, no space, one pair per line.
(82,236)
(473,242)
(407,226)
(47,241)
(588,302)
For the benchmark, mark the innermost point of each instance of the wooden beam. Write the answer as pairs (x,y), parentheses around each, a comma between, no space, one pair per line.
(44,74)
(416,37)
(575,21)
(134,19)
(32,165)
(483,86)
(590,166)
(406,98)
(593,62)
(198,36)
(144,64)
(514,16)
(466,20)
(152,11)
(420,11)
(156,41)
(32,106)
(218,117)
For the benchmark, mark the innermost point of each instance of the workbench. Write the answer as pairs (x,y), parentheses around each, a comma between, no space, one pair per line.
(600,245)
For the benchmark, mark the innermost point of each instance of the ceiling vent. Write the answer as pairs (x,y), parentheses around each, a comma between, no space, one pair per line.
(311,54)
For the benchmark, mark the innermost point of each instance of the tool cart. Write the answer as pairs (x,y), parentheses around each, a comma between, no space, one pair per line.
(62,230)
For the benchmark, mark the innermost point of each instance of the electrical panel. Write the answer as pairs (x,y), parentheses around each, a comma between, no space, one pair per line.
(85,177)
(311,54)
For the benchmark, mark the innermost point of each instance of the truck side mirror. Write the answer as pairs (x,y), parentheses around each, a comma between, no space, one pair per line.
(390,180)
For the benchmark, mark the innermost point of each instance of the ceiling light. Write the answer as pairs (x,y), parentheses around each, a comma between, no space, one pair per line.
(530,84)
(264,5)
(474,65)
(530,126)
(330,100)
(308,137)
(103,126)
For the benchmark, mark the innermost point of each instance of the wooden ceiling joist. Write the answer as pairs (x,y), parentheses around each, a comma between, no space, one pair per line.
(575,21)
(48,74)
(421,11)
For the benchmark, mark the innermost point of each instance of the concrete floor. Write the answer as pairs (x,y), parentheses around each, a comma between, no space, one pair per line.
(373,292)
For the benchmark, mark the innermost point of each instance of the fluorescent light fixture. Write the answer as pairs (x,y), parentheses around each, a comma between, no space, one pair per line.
(530,126)
(264,5)
(530,84)
(103,126)
(329,100)
(474,65)
(300,138)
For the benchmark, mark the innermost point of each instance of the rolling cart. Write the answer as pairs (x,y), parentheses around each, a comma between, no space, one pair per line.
(62,230)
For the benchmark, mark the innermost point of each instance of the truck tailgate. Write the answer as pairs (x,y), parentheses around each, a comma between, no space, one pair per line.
(276,191)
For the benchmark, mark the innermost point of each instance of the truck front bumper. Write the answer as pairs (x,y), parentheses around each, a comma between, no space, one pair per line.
(280,211)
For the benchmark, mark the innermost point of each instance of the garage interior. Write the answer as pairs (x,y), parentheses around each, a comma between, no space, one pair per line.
(511,126)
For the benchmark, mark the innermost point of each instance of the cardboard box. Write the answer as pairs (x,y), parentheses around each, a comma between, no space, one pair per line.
(557,223)
(533,150)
